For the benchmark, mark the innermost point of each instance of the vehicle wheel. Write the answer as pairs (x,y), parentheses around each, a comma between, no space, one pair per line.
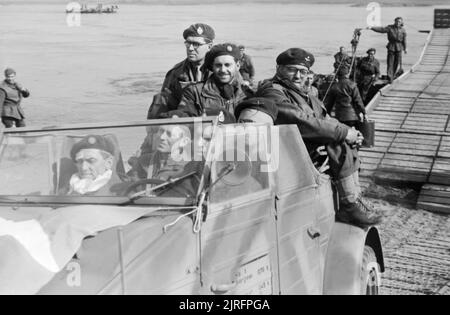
(370,273)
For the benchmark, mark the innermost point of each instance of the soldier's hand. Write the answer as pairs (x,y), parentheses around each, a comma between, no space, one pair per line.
(19,86)
(362,117)
(352,136)
(360,139)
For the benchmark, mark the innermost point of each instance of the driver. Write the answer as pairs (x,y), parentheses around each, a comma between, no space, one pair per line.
(94,159)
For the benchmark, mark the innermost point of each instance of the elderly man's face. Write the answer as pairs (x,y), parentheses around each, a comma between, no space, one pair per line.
(196,48)
(168,136)
(11,78)
(297,74)
(225,68)
(92,163)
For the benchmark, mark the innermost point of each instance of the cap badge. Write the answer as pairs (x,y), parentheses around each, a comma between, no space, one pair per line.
(92,140)
(199,30)
(229,48)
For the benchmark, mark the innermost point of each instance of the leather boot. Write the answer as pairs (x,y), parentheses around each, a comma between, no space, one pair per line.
(357,214)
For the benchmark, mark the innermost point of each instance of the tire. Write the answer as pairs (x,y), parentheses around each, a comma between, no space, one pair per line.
(370,273)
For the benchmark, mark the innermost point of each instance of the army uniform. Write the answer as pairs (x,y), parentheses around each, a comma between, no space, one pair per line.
(210,96)
(368,73)
(345,99)
(10,99)
(317,129)
(181,75)
(340,60)
(396,44)
(247,69)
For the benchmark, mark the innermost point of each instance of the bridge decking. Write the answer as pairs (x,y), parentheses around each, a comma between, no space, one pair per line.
(413,128)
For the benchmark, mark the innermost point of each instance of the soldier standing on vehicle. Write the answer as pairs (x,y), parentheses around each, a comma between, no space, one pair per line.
(345,99)
(295,106)
(11,93)
(396,35)
(199,39)
(222,91)
(368,73)
(247,69)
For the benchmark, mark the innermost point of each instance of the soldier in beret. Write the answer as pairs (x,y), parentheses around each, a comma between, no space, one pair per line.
(368,72)
(247,68)
(345,99)
(396,35)
(257,110)
(295,106)
(199,39)
(11,93)
(223,90)
(94,159)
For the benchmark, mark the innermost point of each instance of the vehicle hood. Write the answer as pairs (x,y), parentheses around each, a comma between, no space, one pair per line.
(36,245)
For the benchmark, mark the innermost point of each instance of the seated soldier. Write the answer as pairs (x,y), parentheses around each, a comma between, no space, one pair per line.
(94,159)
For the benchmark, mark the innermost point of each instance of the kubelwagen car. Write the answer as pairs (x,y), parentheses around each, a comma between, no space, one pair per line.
(200,208)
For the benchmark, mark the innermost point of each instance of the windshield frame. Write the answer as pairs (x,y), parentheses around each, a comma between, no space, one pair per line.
(60,201)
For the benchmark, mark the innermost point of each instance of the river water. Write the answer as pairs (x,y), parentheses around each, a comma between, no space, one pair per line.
(109,67)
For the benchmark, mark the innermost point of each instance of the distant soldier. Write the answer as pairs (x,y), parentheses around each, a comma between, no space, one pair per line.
(11,93)
(368,73)
(341,59)
(396,35)
(221,92)
(198,41)
(247,69)
(345,99)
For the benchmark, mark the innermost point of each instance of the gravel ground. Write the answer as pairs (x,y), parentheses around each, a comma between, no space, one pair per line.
(416,244)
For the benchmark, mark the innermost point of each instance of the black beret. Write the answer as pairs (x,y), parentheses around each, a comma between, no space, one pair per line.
(371,49)
(225,117)
(9,71)
(221,50)
(259,103)
(296,56)
(92,142)
(200,30)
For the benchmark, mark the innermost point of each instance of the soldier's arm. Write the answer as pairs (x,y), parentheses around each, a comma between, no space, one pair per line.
(2,100)
(322,131)
(379,29)
(377,70)
(329,101)
(187,106)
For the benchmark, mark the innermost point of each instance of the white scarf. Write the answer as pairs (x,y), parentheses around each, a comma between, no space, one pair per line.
(83,186)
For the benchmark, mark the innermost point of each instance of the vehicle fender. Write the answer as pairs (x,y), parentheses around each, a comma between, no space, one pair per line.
(343,262)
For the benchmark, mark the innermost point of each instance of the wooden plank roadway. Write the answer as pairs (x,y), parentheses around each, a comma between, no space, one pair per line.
(413,129)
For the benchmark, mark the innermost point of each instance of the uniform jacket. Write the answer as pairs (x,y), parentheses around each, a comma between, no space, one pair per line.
(198,98)
(316,126)
(247,69)
(345,98)
(10,98)
(396,37)
(369,67)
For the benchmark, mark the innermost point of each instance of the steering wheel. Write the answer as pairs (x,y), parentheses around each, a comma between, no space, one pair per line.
(147,181)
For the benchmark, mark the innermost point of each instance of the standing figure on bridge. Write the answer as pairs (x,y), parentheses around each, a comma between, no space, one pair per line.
(345,99)
(198,41)
(247,69)
(368,73)
(396,35)
(11,93)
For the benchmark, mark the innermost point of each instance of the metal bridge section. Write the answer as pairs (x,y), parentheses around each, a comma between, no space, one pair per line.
(413,126)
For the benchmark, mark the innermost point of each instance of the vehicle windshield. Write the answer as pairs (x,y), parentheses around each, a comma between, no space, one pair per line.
(105,162)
